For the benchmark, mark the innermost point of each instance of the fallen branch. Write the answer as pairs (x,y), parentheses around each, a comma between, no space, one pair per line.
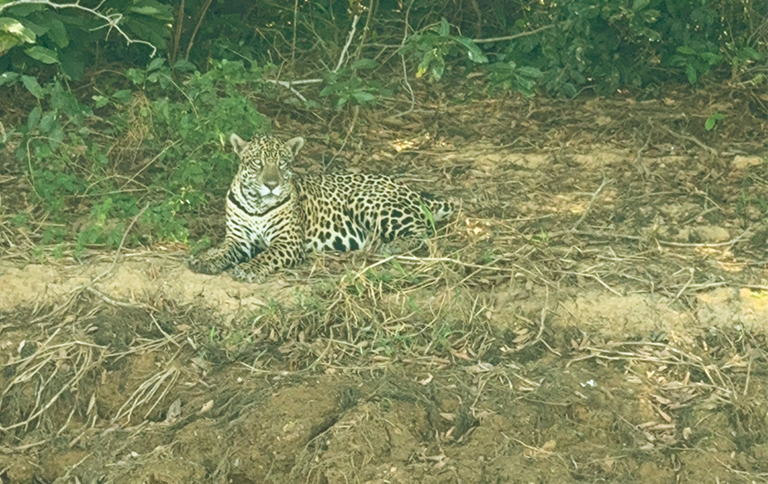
(591,203)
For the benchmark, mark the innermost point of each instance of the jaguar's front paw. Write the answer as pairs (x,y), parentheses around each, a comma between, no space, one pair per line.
(243,273)
(203,265)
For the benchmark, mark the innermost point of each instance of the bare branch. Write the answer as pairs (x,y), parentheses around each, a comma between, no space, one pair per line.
(349,41)
(197,27)
(515,36)
(288,85)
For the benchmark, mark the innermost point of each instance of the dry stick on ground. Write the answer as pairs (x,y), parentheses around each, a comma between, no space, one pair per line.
(685,286)
(591,203)
(355,114)
(114,302)
(644,172)
(167,336)
(596,233)
(145,392)
(749,371)
(120,247)
(748,476)
(675,357)
(690,138)
(72,383)
(539,337)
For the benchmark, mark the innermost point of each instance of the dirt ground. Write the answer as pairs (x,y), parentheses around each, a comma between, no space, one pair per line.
(597,312)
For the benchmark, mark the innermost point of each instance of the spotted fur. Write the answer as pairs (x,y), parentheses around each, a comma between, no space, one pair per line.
(275,218)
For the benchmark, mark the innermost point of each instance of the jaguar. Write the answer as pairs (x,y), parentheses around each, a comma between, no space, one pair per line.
(274,217)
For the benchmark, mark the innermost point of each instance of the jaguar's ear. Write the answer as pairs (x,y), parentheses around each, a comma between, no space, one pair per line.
(238,143)
(295,144)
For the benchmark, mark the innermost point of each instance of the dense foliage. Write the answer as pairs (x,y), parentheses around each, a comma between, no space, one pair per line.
(126,103)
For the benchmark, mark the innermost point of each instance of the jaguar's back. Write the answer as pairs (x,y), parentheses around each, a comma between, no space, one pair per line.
(343,212)
(274,217)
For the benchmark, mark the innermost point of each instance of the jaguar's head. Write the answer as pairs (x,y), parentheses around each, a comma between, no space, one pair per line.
(265,167)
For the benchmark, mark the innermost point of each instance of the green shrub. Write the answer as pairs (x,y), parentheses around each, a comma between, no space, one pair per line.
(169,152)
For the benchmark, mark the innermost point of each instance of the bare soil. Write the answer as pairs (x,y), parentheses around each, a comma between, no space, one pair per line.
(597,312)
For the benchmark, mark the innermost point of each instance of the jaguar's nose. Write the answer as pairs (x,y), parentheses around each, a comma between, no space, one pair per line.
(271,184)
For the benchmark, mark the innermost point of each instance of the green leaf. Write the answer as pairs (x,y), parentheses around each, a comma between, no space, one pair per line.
(474,52)
(640,4)
(33,86)
(152,8)
(428,214)
(363,97)
(48,122)
(184,66)
(752,53)
(711,58)
(72,64)
(686,50)
(424,64)
(713,120)
(444,28)
(691,73)
(527,71)
(437,69)
(7,42)
(46,56)
(101,101)
(341,102)
(34,118)
(328,90)
(17,30)
(55,138)
(124,96)
(156,63)
(24,9)
(136,76)
(58,33)
(364,64)
(678,60)
(525,86)
(569,89)
(35,27)
(8,78)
